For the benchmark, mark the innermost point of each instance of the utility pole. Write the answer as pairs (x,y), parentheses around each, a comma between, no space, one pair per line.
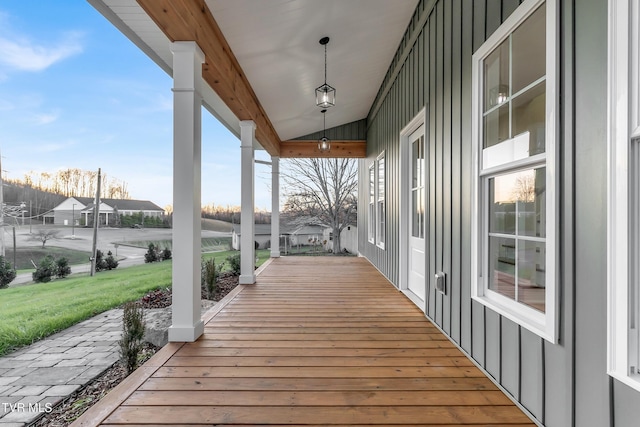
(96,219)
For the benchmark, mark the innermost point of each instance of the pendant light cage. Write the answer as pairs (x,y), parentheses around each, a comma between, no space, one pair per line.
(324,143)
(325,93)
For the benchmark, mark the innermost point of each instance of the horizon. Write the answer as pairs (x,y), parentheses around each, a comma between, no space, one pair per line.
(76,93)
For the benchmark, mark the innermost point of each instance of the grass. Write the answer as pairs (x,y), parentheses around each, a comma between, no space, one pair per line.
(209,244)
(25,255)
(31,312)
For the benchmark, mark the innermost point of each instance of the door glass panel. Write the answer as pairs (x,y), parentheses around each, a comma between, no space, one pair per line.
(417,190)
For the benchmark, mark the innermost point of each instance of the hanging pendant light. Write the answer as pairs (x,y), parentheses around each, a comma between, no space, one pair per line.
(325,94)
(324,143)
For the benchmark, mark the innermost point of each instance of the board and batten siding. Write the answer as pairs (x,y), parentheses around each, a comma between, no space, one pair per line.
(432,70)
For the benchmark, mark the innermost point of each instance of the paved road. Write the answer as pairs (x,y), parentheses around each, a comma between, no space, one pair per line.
(81,239)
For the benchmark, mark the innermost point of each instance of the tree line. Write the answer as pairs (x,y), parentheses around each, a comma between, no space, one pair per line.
(74,182)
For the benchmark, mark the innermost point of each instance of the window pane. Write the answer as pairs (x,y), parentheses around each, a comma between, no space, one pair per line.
(529,51)
(502,209)
(496,76)
(417,222)
(372,186)
(531,272)
(417,160)
(528,114)
(381,178)
(530,191)
(496,126)
(502,261)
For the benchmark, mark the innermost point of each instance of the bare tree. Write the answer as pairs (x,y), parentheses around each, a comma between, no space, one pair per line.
(323,189)
(44,236)
(524,189)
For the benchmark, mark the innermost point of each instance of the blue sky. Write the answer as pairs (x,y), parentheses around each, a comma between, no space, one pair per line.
(75,93)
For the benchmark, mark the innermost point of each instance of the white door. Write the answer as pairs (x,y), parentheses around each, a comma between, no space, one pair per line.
(416,257)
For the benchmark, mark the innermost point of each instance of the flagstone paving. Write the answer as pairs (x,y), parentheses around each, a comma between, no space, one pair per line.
(35,378)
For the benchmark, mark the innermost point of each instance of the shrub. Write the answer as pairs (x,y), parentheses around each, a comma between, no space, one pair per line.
(62,268)
(7,273)
(132,334)
(101,263)
(151,255)
(234,264)
(210,274)
(166,254)
(111,262)
(45,270)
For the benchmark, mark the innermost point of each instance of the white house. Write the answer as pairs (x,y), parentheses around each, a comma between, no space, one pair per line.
(79,210)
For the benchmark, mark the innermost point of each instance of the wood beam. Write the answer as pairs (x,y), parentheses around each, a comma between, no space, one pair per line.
(191,20)
(309,149)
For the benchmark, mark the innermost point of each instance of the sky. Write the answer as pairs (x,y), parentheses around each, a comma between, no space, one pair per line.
(76,93)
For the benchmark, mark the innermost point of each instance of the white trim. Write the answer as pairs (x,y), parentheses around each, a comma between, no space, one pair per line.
(518,312)
(420,119)
(622,100)
(371,205)
(381,235)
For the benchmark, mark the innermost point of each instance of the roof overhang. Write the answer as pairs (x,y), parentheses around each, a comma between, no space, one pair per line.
(263,60)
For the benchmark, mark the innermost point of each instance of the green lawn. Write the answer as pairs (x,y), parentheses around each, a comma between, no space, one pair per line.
(31,312)
(208,244)
(25,255)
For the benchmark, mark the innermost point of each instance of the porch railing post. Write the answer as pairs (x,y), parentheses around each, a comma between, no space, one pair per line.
(187,105)
(275,207)
(247,217)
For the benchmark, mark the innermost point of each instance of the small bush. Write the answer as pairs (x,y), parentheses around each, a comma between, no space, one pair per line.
(111,262)
(234,264)
(46,270)
(7,273)
(62,268)
(166,254)
(152,254)
(210,274)
(101,263)
(132,334)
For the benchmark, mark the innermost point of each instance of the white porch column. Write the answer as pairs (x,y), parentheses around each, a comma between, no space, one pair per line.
(186,324)
(275,206)
(247,217)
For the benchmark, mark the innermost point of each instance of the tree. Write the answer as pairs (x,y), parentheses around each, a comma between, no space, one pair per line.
(7,273)
(45,235)
(324,191)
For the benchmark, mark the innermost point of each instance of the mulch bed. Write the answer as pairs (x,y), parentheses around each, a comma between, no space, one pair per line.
(75,405)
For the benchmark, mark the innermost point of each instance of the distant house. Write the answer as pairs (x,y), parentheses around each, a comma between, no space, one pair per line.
(262,236)
(79,210)
(289,236)
(348,239)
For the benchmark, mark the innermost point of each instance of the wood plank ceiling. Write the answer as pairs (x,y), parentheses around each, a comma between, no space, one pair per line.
(186,20)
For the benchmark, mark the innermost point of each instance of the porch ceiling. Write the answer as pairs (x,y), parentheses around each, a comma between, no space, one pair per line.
(263,60)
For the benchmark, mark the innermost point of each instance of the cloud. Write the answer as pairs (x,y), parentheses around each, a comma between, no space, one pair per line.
(22,54)
(45,119)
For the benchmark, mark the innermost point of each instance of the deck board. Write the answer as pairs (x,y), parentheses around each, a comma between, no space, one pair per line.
(317,341)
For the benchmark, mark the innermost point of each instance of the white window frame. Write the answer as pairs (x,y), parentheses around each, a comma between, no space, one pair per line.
(543,324)
(381,229)
(623,236)
(371,204)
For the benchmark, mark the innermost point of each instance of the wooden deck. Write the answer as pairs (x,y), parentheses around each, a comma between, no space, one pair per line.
(317,341)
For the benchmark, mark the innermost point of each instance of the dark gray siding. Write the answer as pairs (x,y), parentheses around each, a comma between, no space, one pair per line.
(349,131)
(432,69)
